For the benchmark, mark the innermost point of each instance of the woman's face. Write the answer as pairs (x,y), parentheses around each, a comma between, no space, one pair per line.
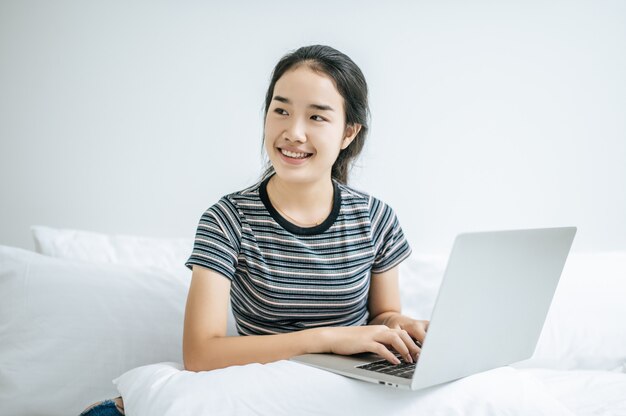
(305,126)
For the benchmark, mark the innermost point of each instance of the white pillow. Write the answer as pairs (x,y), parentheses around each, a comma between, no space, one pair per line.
(289,388)
(68,328)
(586,325)
(166,253)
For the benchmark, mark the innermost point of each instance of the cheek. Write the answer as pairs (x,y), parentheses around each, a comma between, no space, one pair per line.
(270,130)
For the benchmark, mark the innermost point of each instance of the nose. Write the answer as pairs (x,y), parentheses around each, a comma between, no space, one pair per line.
(296,131)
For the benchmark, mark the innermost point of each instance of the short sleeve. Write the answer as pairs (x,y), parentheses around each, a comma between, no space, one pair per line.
(390,244)
(218,237)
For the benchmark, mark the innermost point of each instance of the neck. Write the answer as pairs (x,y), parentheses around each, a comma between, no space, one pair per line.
(306,203)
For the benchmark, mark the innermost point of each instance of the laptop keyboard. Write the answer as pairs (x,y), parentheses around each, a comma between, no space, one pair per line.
(404,369)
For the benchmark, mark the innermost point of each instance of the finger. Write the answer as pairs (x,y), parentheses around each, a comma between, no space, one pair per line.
(413,348)
(384,352)
(398,339)
(417,330)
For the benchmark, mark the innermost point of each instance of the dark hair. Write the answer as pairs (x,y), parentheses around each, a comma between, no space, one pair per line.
(350,83)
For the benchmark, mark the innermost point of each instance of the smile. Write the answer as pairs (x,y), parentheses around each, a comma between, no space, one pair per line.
(295,155)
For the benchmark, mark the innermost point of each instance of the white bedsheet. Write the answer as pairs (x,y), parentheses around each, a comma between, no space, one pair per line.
(285,387)
(586,392)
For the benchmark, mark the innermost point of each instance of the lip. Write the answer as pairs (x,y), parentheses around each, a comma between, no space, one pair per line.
(290,161)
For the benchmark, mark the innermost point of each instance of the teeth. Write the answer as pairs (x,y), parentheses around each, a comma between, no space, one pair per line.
(294,155)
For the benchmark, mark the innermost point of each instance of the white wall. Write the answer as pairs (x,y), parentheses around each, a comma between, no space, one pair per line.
(133,117)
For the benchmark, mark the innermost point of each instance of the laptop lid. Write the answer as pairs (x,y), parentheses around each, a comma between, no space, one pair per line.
(493,301)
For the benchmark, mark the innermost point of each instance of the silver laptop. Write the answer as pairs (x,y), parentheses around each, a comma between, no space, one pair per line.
(490,310)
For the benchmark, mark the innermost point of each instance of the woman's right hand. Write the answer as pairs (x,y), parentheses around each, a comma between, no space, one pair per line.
(372,338)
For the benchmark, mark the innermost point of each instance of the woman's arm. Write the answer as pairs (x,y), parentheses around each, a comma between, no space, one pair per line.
(206,346)
(385,309)
(384,296)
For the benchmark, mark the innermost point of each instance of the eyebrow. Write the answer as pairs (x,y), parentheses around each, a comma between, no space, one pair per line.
(322,107)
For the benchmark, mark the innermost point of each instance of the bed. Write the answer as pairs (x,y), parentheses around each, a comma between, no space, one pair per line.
(90,316)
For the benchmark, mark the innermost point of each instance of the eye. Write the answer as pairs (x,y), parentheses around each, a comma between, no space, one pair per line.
(321,118)
(279,111)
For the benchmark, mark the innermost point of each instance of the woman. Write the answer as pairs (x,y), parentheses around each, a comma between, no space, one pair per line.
(308,263)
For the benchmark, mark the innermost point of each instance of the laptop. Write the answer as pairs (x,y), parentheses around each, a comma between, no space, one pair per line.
(490,310)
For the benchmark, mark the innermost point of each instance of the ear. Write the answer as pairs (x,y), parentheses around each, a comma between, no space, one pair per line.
(351,132)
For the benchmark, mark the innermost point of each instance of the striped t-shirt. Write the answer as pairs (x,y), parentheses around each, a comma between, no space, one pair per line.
(287,278)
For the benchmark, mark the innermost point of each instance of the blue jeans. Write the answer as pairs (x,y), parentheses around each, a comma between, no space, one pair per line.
(103,408)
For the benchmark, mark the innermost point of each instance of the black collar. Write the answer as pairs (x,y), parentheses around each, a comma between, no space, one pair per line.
(295,229)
